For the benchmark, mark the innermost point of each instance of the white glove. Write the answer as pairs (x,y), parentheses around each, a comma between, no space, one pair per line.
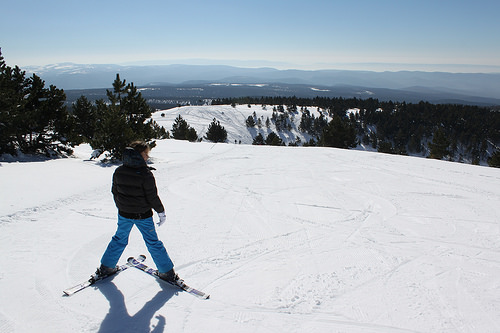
(163,218)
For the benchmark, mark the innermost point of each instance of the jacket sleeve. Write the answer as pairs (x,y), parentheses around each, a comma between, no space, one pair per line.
(113,187)
(151,193)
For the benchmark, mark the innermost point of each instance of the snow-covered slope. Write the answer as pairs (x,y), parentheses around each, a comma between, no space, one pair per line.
(284,240)
(234,121)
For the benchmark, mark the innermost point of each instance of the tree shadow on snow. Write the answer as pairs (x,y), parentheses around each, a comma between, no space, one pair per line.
(118,318)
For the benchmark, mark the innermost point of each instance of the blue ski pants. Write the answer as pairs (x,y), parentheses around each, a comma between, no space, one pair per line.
(120,240)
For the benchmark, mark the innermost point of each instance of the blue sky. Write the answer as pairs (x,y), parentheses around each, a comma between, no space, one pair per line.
(442,35)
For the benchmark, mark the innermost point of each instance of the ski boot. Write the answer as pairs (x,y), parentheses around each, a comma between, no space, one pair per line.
(170,276)
(105,271)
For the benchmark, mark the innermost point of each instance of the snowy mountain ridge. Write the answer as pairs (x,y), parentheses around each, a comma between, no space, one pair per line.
(481,88)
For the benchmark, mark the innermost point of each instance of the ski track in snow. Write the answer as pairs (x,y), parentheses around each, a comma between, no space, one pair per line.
(284,240)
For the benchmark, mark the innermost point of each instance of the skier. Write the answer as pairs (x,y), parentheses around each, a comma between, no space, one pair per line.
(135,195)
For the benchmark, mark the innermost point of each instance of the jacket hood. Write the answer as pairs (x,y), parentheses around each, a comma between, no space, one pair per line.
(132,158)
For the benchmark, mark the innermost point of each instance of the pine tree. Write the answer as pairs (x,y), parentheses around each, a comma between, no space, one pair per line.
(112,133)
(12,92)
(85,119)
(179,128)
(494,160)
(112,126)
(182,131)
(250,122)
(132,106)
(118,89)
(33,119)
(386,147)
(216,132)
(440,145)
(273,140)
(258,140)
(338,134)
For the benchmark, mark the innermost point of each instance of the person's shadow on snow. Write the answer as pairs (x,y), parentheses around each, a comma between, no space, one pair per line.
(118,318)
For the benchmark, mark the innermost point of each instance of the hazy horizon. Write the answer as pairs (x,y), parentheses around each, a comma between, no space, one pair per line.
(371,67)
(387,35)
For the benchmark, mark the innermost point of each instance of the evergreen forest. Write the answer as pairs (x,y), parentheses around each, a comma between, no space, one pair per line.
(455,132)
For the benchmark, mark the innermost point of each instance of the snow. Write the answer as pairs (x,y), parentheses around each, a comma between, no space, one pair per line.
(234,121)
(285,239)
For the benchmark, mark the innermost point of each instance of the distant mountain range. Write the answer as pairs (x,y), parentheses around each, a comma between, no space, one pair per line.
(212,81)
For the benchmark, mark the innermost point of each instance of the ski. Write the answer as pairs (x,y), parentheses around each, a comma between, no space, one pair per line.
(94,278)
(179,283)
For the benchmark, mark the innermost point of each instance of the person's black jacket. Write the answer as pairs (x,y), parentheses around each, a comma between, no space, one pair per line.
(134,187)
